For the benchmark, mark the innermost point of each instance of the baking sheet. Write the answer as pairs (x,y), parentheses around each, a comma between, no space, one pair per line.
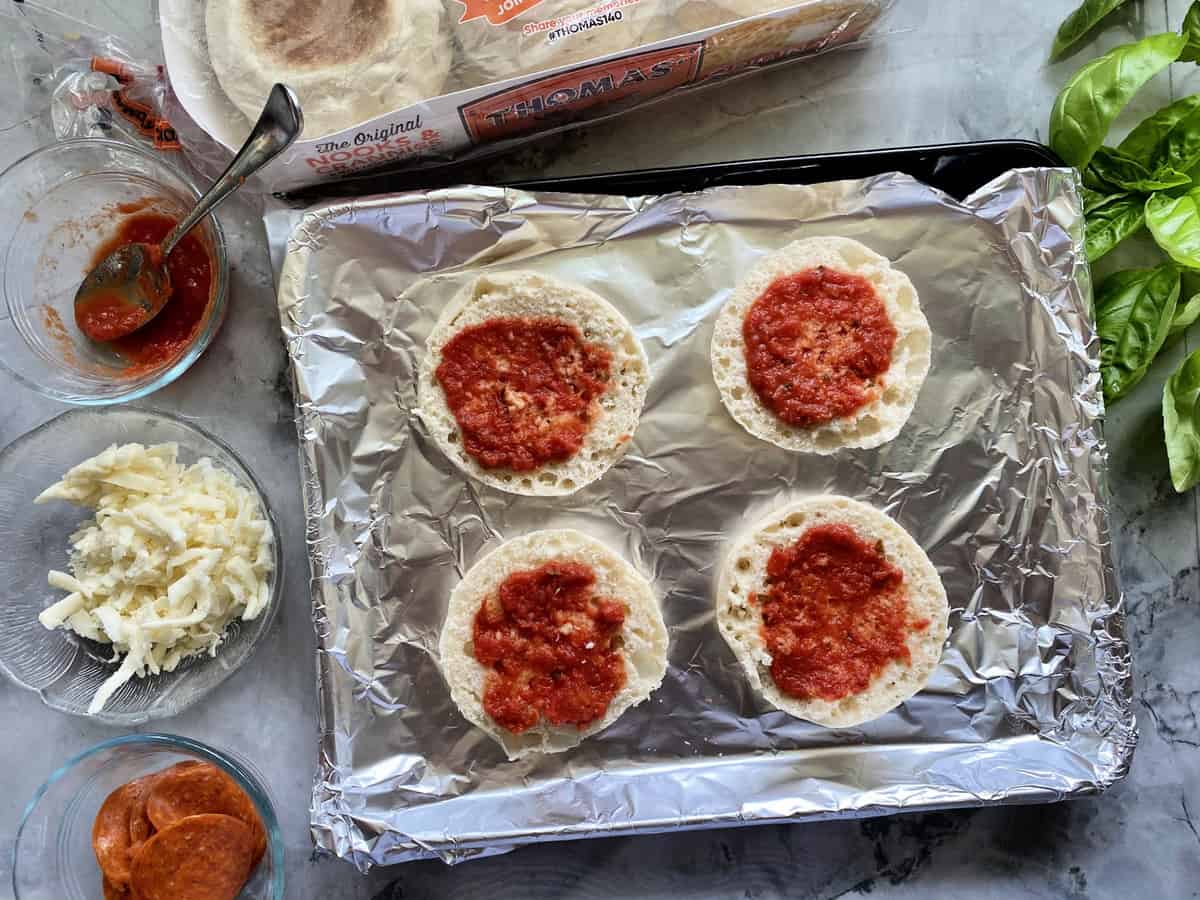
(999,475)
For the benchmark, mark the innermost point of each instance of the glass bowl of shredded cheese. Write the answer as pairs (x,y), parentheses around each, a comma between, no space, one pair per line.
(141,568)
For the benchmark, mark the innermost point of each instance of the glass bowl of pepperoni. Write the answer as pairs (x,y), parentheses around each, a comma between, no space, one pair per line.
(137,808)
(66,207)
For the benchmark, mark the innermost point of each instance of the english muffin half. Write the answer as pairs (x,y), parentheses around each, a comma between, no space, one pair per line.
(532,385)
(839,332)
(347,60)
(813,641)
(502,602)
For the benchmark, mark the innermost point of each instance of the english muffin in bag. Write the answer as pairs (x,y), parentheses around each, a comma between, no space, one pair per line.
(500,39)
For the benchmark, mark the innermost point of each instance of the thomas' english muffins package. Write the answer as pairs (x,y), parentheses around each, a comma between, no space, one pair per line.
(400,81)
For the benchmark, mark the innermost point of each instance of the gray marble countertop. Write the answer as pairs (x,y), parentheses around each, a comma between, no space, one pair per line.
(948,71)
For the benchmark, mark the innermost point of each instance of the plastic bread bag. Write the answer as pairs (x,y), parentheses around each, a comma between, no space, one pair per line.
(74,80)
(418,82)
(524,38)
(552,33)
(77,80)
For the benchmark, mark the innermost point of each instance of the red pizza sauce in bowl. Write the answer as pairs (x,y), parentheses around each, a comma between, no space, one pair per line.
(190,266)
(76,197)
(817,343)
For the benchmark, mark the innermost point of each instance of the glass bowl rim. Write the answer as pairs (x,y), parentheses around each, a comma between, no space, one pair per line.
(268,615)
(220,298)
(242,771)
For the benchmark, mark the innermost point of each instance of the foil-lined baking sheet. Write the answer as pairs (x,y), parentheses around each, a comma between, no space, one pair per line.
(999,474)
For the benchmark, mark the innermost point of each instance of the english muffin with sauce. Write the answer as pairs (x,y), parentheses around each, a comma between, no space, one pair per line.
(823,346)
(347,60)
(532,385)
(549,639)
(833,610)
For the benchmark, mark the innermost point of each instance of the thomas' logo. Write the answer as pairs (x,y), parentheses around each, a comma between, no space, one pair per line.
(565,97)
(497,12)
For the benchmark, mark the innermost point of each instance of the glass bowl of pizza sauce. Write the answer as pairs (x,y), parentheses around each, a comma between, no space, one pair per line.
(69,205)
(55,855)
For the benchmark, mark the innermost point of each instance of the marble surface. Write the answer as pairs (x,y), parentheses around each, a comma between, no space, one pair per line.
(950,70)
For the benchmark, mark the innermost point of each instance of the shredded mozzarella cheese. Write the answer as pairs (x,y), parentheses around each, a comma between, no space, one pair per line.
(173,554)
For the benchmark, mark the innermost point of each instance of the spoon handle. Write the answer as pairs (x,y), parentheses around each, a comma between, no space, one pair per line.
(280,123)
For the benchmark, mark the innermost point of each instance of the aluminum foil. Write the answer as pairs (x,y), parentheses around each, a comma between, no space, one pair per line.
(998,474)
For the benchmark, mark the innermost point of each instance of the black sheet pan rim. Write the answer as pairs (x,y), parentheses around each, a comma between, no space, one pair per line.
(938,165)
(956,168)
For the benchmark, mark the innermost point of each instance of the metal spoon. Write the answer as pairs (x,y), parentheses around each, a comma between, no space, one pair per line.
(131,285)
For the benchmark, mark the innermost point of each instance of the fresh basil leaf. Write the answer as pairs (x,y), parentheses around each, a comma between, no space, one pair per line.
(1185,315)
(1181,423)
(1175,224)
(1093,199)
(1134,310)
(1148,143)
(1113,220)
(1191,32)
(1179,146)
(1079,23)
(1111,170)
(1093,96)
(1180,150)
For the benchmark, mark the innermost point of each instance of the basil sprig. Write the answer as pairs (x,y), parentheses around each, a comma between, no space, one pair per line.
(1150,179)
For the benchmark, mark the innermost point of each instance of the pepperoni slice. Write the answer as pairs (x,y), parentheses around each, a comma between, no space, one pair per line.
(140,826)
(191,790)
(179,766)
(204,857)
(111,841)
(115,891)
